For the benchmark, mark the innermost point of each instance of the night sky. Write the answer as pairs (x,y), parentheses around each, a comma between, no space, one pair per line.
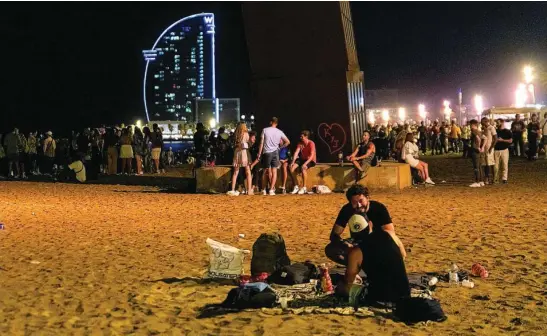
(70,65)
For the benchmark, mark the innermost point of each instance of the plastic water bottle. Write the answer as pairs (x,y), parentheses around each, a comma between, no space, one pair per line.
(468,284)
(341,159)
(433,281)
(326,282)
(453,274)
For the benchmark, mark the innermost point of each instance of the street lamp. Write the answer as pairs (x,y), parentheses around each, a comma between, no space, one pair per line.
(385,115)
(243,117)
(520,96)
(447,110)
(528,78)
(479,105)
(402,114)
(421,111)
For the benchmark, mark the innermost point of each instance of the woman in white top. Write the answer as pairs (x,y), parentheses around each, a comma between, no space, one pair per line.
(242,158)
(410,154)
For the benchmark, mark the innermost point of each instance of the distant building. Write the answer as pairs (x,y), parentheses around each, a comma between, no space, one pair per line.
(180,68)
(222,110)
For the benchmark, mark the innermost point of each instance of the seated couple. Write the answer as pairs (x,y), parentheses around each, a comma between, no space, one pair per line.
(374,248)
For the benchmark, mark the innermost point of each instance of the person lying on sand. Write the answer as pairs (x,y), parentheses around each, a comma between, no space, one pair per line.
(379,256)
(359,202)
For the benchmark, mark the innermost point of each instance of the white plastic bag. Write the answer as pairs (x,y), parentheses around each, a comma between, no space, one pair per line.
(322,189)
(225,261)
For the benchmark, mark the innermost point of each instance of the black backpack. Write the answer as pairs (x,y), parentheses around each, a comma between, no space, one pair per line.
(269,254)
(297,273)
(413,310)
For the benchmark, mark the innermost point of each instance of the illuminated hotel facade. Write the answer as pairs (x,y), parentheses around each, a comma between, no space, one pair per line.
(180,69)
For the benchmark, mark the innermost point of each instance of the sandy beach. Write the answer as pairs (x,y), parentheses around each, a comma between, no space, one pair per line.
(111,260)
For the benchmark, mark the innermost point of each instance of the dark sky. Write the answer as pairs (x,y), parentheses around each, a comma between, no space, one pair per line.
(79,64)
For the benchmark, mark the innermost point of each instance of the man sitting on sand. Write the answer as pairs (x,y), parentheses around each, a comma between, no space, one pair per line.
(379,256)
(359,203)
(362,156)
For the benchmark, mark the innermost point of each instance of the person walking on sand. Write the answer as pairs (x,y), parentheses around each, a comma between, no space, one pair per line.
(362,156)
(269,150)
(242,158)
(501,152)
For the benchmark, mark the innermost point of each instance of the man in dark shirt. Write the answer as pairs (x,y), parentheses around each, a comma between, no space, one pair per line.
(501,151)
(378,220)
(200,145)
(517,127)
(423,137)
(533,136)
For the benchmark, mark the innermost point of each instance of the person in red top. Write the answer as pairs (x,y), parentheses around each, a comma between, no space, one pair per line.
(305,157)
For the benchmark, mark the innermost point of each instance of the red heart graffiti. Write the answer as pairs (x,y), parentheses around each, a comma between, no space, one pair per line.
(332,135)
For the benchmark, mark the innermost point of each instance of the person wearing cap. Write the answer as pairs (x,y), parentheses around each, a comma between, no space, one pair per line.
(377,215)
(49,153)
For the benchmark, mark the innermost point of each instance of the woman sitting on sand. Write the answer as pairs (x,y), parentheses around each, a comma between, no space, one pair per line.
(410,155)
(242,158)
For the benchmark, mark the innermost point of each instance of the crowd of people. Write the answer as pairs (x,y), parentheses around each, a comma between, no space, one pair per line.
(257,158)
(84,155)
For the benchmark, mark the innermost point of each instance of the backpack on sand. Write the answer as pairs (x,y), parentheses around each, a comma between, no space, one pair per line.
(269,254)
(297,273)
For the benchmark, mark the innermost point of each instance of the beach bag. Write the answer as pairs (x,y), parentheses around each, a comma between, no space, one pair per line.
(297,273)
(412,310)
(225,261)
(269,254)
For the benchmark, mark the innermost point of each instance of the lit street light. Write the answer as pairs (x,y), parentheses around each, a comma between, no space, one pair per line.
(479,105)
(520,96)
(528,78)
(402,114)
(385,115)
(447,110)
(421,111)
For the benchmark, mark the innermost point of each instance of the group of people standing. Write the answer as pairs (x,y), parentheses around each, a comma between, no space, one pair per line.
(262,159)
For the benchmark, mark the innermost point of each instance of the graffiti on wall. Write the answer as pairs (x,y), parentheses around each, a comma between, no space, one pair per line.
(333,136)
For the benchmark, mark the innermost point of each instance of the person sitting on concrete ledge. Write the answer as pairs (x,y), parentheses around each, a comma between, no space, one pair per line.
(307,159)
(410,155)
(362,157)
(359,202)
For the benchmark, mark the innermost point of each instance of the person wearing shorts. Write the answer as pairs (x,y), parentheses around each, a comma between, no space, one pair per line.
(304,157)
(269,151)
(362,156)
(284,157)
(410,153)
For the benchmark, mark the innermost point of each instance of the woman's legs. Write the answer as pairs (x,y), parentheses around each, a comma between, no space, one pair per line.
(249,180)
(138,160)
(284,166)
(129,164)
(234,177)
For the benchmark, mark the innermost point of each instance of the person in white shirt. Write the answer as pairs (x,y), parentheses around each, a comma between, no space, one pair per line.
(268,151)
(410,154)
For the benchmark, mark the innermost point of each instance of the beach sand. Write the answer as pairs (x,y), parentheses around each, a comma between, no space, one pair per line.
(110,260)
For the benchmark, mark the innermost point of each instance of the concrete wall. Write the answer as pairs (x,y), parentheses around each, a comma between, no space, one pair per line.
(390,175)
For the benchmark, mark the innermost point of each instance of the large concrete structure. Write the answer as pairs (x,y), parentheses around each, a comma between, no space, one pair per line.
(305,71)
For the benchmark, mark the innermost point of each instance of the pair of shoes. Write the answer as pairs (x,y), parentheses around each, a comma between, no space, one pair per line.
(272,192)
(232,193)
(295,190)
(302,191)
(476,185)
(428,181)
